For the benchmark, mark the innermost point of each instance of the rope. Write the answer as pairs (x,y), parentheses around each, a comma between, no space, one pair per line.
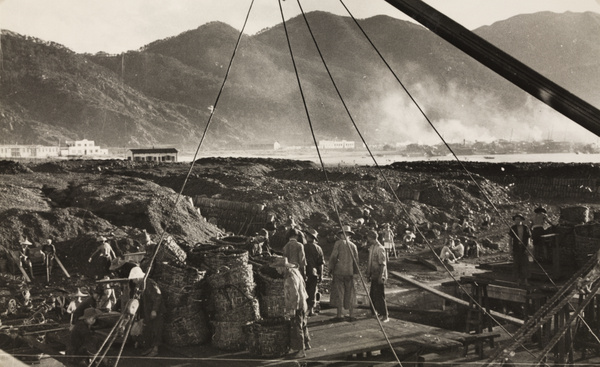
(346,241)
(428,243)
(481,189)
(141,289)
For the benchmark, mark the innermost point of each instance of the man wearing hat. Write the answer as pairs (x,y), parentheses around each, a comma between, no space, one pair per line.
(76,300)
(537,222)
(105,255)
(377,273)
(49,252)
(520,236)
(295,295)
(388,239)
(314,267)
(90,302)
(84,342)
(294,250)
(152,311)
(24,256)
(343,265)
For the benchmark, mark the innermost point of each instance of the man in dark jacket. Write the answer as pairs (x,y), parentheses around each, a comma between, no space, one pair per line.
(519,239)
(84,342)
(314,268)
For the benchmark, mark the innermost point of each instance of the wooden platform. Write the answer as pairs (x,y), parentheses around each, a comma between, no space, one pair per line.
(343,341)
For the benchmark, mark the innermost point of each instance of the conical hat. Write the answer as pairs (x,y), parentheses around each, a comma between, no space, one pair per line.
(80,293)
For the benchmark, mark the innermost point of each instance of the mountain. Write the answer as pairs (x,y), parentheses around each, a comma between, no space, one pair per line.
(164,92)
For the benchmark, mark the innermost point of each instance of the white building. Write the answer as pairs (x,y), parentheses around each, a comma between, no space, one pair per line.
(336,144)
(28,151)
(82,148)
(154,155)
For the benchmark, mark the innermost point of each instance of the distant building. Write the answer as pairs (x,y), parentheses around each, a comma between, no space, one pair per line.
(336,144)
(28,151)
(154,155)
(82,148)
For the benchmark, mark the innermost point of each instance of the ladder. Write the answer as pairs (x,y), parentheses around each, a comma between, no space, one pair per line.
(545,314)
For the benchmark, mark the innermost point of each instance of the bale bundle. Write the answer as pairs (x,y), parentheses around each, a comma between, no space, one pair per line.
(228,335)
(268,338)
(226,276)
(186,326)
(170,252)
(271,297)
(232,296)
(227,257)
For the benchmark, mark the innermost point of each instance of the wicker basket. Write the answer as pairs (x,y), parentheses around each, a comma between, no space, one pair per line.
(272,306)
(228,335)
(170,252)
(268,338)
(225,277)
(233,241)
(269,282)
(196,255)
(225,257)
(239,309)
(178,297)
(178,276)
(186,326)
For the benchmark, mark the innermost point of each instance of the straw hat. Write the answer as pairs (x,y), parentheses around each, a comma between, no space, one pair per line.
(26,242)
(136,273)
(346,229)
(80,293)
(282,262)
(313,233)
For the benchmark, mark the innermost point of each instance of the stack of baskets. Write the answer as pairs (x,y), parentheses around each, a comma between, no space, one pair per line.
(232,296)
(269,337)
(186,322)
(270,292)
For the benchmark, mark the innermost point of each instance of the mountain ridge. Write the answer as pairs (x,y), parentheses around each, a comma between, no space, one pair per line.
(164,92)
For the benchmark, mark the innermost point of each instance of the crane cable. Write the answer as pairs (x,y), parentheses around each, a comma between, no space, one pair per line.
(480,307)
(482,190)
(346,241)
(180,193)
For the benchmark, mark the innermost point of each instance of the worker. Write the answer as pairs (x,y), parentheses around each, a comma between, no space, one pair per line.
(108,299)
(343,266)
(408,239)
(314,268)
(152,310)
(84,343)
(87,303)
(537,223)
(452,251)
(105,255)
(388,240)
(24,258)
(49,252)
(294,250)
(76,300)
(295,296)
(377,274)
(519,236)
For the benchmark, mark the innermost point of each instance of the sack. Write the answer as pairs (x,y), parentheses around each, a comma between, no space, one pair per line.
(137,328)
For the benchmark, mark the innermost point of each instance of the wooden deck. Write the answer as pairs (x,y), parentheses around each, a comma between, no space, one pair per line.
(344,342)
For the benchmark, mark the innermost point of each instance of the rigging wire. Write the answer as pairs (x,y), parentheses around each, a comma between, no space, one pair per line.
(346,241)
(480,307)
(482,190)
(180,193)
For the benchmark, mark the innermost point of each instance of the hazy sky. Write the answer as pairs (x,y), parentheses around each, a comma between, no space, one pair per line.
(120,25)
